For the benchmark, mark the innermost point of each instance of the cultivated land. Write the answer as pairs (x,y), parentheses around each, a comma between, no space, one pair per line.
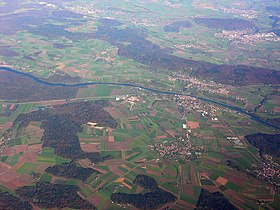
(116,147)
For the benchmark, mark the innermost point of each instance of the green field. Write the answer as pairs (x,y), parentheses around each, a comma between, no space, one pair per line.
(46,155)
(177,137)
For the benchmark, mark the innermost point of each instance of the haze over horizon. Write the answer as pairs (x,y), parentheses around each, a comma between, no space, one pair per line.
(139,104)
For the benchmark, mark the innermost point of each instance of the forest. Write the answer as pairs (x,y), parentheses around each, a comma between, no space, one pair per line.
(17,87)
(274,121)
(8,201)
(144,51)
(225,23)
(216,200)
(154,199)
(62,123)
(47,195)
(147,182)
(176,25)
(239,75)
(266,143)
(70,170)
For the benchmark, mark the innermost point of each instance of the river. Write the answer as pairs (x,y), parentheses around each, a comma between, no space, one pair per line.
(237,109)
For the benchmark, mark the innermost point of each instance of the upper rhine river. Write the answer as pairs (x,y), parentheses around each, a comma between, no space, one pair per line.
(237,109)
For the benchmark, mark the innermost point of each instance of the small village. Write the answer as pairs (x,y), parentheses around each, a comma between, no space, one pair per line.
(4,140)
(247,37)
(268,170)
(249,14)
(185,102)
(201,85)
(179,149)
(87,9)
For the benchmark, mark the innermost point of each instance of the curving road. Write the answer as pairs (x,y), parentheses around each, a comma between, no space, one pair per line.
(237,109)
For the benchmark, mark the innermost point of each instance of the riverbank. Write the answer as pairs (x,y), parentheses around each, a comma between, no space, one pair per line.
(237,109)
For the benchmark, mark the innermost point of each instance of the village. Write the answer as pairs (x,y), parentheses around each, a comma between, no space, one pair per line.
(179,149)
(247,37)
(185,102)
(250,14)
(4,140)
(191,83)
(268,170)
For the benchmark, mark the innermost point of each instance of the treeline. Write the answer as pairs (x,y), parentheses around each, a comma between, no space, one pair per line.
(70,170)
(8,201)
(47,195)
(151,200)
(211,201)
(266,143)
(62,124)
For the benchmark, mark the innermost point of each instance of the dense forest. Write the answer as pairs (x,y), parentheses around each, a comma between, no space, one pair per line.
(266,143)
(213,201)
(151,200)
(147,182)
(6,51)
(70,170)
(177,25)
(274,121)
(239,75)
(47,195)
(17,87)
(8,201)
(28,19)
(225,23)
(62,123)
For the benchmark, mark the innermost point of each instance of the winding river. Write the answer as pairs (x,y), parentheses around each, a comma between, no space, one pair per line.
(237,109)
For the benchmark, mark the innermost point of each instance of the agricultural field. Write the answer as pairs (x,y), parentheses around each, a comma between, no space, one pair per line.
(146,141)
(139,104)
